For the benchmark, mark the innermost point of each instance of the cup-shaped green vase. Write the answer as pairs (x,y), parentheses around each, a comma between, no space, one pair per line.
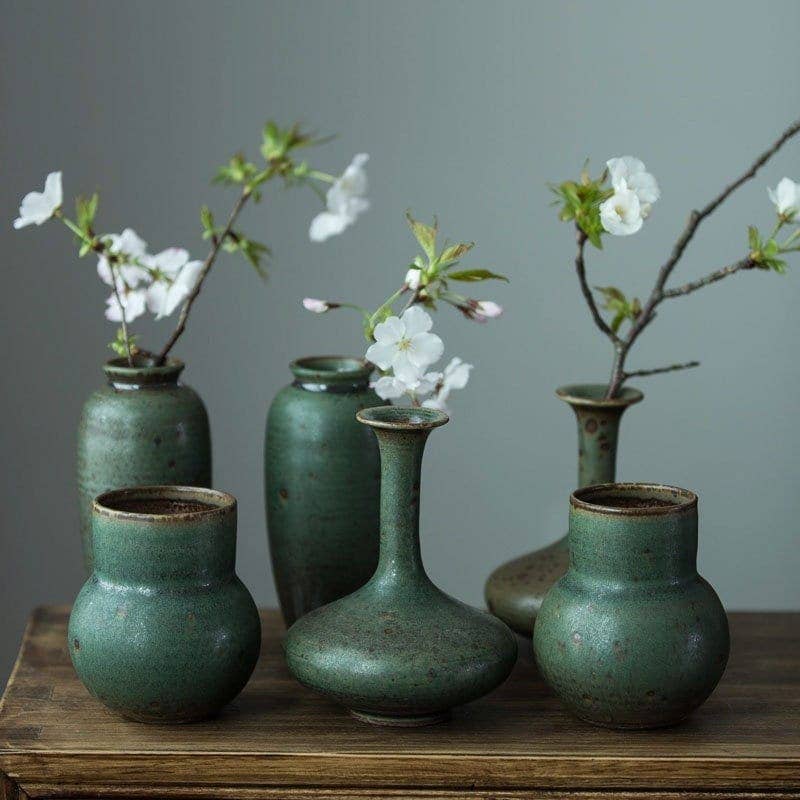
(515,590)
(321,484)
(143,428)
(163,630)
(399,651)
(632,636)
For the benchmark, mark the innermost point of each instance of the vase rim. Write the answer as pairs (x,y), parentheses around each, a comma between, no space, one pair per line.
(402,418)
(216,502)
(331,369)
(143,371)
(592,395)
(665,499)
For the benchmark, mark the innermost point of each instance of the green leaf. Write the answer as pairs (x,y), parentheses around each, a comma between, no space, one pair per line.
(619,318)
(85,212)
(121,345)
(238,171)
(207,220)
(611,293)
(474,275)
(450,255)
(753,238)
(425,235)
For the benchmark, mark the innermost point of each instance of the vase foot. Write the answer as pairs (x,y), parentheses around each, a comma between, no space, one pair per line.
(415,721)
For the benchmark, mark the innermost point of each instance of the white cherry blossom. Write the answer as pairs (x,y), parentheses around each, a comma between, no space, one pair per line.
(631,173)
(455,376)
(405,345)
(391,387)
(134,301)
(317,306)
(413,278)
(132,245)
(621,214)
(786,197)
(345,202)
(38,207)
(174,278)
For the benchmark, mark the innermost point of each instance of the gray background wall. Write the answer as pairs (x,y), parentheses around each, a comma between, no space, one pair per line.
(467,110)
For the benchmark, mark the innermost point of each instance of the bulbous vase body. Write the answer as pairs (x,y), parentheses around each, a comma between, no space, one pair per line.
(515,591)
(163,630)
(632,636)
(321,484)
(399,651)
(143,428)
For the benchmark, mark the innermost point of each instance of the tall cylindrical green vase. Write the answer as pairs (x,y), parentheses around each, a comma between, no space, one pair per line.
(399,651)
(632,636)
(143,428)
(515,591)
(163,630)
(321,484)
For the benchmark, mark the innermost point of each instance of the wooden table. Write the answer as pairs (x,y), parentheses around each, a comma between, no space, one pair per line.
(279,740)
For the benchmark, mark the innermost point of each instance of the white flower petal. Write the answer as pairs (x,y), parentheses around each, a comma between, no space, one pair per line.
(621,213)
(325,225)
(413,277)
(317,306)
(389,388)
(169,261)
(390,331)
(381,355)
(416,320)
(38,207)
(424,349)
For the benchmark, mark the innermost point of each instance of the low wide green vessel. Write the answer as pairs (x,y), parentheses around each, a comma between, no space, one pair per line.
(321,484)
(399,651)
(163,630)
(632,636)
(143,428)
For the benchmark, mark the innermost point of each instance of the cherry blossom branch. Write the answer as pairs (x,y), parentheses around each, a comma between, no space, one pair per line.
(216,244)
(712,277)
(659,293)
(641,373)
(580,268)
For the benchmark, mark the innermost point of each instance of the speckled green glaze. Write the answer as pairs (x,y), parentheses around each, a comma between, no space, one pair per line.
(399,651)
(321,484)
(163,630)
(632,636)
(515,590)
(143,428)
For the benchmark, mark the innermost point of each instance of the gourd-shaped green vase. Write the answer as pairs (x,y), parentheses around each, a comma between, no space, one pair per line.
(399,651)
(163,630)
(143,428)
(515,591)
(632,636)
(321,484)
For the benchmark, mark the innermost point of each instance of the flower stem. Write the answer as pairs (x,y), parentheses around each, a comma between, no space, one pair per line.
(216,244)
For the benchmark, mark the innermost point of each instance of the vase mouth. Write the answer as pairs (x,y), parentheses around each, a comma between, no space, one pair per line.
(592,395)
(144,370)
(402,418)
(167,504)
(331,369)
(634,499)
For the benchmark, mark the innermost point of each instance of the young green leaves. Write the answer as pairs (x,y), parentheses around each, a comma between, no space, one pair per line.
(122,346)
(765,253)
(619,305)
(581,202)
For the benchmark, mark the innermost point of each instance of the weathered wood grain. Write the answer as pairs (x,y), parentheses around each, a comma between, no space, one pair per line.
(279,740)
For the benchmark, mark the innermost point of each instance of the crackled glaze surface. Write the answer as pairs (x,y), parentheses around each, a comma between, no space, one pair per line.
(515,591)
(399,651)
(321,484)
(632,636)
(143,428)
(163,630)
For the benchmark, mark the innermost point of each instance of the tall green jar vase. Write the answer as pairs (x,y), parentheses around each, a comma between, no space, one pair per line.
(143,428)
(399,651)
(515,591)
(321,484)
(632,636)
(163,630)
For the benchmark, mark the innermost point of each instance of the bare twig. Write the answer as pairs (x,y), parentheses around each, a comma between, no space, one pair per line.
(580,268)
(641,373)
(712,277)
(216,244)
(659,293)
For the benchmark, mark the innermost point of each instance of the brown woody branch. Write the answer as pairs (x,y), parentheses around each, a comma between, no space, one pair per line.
(580,268)
(641,373)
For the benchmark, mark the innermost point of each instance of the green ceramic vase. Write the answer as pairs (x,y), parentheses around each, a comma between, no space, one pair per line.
(399,651)
(632,636)
(143,428)
(321,484)
(515,590)
(163,630)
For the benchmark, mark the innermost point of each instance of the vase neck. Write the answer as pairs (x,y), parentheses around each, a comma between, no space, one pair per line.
(331,374)
(401,471)
(598,429)
(144,374)
(632,544)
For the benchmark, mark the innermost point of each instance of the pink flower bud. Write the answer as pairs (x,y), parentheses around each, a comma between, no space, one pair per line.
(486,308)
